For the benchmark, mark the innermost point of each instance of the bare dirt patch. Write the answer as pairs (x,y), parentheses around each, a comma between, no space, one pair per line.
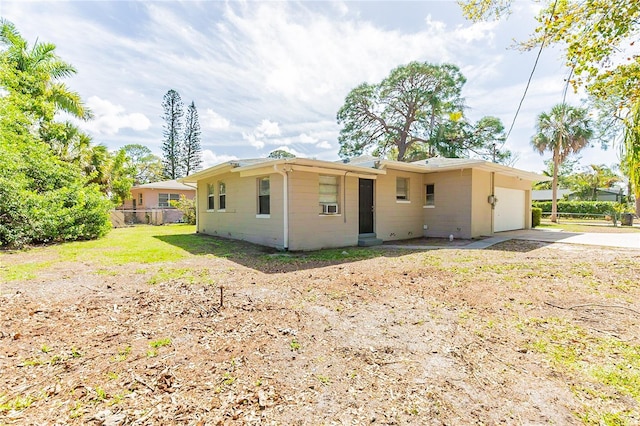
(437,337)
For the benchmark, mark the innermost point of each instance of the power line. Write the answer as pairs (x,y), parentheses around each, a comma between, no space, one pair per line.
(535,65)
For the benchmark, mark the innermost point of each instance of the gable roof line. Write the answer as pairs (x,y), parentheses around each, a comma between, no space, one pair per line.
(371,166)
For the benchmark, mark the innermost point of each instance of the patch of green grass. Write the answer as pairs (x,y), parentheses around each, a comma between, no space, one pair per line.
(123,353)
(18,403)
(605,365)
(187,275)
(294,345)
(323,379)
(601,227)
(138,244)
(22,271)
(160,343)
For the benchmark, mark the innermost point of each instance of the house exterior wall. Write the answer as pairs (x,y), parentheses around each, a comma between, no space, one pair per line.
(451,214)
(150,197)
(311,230)
(481,210)
(240,219)
(398,219)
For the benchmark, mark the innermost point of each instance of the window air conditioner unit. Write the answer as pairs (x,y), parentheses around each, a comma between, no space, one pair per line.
(329,208)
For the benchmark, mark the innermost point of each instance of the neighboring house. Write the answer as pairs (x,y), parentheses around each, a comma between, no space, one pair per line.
(150,203)
(546,194)
(304,204)
(602,194)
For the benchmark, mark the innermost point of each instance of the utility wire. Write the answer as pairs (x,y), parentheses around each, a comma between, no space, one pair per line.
(535,65)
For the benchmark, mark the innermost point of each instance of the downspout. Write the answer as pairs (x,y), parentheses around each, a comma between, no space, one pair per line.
(285,204)
(344,197)
(493,204)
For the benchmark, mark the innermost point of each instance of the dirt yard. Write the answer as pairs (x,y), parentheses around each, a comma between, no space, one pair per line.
(229,333)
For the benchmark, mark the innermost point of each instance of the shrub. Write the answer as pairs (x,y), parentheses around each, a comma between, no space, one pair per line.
(536,215)
(581,209)
(188,209)
(44,200)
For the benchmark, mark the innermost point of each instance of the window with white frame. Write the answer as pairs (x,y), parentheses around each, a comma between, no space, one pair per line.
(164,200)
(402,189)
(429,194)
(264,196)
(211,196)
(222,195)
(328,194)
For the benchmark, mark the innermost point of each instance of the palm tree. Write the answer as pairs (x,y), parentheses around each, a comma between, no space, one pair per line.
(563,131)
(38,70)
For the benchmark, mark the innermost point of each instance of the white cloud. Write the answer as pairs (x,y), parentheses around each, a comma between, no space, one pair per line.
(253,140)
(210,158)
(305,138)
(213,120)
(110,118)
(324,145)
(268,128)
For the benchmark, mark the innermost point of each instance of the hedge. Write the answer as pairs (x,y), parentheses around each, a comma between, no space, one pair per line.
(536,215)
(582,209)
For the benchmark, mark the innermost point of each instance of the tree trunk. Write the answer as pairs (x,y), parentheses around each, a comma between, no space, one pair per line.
(554,188)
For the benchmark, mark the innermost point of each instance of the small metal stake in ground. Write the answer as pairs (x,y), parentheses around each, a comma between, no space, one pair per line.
(221,296)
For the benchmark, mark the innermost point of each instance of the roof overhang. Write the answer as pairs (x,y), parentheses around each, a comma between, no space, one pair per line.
(284,165)
(464,164)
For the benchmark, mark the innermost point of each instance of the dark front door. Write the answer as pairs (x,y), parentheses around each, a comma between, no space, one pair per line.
(365,195)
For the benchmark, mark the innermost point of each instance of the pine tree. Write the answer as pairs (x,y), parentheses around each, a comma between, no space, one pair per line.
(192,152)
(173,111)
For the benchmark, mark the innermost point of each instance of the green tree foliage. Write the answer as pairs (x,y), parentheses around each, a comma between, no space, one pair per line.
(281,153)
(35,71)
(586,184)
(171,146)
(192,152)
(44,192)
(458,138)
(565,170)
(563,131)
(147,166)
(187,207)
(403,110)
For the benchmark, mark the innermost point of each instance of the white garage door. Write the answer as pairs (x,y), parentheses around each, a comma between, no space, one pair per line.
(510,209)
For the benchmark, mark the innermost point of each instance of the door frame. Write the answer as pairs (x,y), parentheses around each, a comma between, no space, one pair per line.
(366,210)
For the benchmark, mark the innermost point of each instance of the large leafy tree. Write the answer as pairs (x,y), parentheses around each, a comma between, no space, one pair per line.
(563,131)
(402,111)
(192,151)
(147,166)
(171,146)
(44,192)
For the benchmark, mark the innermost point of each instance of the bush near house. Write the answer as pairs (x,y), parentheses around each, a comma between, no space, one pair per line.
(579,209)
(536,215)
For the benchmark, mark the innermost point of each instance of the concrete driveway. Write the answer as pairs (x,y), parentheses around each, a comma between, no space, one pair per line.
(626,240)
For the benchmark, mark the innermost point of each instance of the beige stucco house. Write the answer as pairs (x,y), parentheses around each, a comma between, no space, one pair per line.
(304,204)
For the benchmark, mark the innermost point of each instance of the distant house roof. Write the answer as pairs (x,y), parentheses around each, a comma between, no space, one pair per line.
(166,184)
(367,165)
(546,194)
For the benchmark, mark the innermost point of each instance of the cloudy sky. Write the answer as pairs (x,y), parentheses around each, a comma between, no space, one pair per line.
(272,74)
